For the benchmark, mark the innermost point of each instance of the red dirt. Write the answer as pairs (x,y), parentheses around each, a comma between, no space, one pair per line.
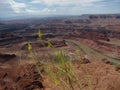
(25,77)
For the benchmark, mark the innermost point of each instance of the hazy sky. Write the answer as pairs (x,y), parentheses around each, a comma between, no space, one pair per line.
(13,8)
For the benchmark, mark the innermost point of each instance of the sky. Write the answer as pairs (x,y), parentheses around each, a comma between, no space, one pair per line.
(33,8)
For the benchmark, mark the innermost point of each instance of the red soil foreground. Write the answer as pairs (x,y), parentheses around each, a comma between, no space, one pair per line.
(25,77)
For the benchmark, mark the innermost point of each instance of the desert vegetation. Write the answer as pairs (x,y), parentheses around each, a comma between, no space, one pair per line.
(60,69)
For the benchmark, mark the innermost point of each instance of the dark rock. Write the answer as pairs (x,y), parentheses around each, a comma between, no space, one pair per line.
(37,83)
(34,84)
(18,78)
(6,57)
(5,75)
(6,88)
(106,61)
(85,61)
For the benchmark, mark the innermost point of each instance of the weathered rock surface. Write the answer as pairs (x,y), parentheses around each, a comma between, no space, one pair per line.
(20,78)
(6,57)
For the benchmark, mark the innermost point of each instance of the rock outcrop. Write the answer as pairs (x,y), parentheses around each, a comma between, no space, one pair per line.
(6,57)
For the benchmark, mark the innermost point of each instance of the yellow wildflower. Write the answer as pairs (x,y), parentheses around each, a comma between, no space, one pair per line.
(29,47)
(40,35)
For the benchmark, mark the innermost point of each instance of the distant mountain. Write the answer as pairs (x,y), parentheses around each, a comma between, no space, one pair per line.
(102,16)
